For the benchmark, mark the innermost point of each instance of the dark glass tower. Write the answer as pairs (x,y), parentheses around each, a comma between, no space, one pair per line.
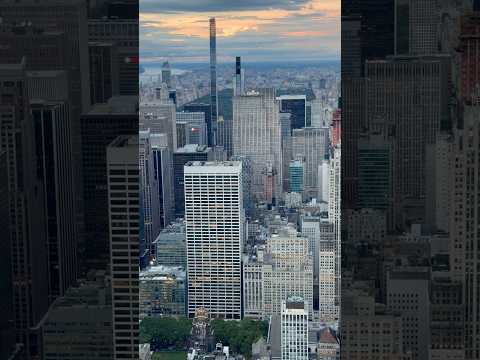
(211,125)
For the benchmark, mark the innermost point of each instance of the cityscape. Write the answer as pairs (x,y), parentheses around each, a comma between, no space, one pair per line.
(239,180)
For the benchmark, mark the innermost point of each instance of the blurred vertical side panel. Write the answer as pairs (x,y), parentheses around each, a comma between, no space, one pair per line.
(410,134)
(68,101)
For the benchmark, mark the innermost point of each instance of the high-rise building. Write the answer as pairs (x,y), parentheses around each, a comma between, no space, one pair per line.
(415,83)
(328,309)
(296,106)
(286,135)
(182,156)
(162,291)
(239,78)
(171,249)
(79,323)
(294,329)
(214,231)
(160,117)
(213,84)
(103,72)
(163,176)
(296,176)
(149,195)
(123,213)
(334,215)
(28,239)
(310,145)
(53,134)
(417,27)
(122,32)
(257,135)
(470,55)
(167,74)
(99,127)
(194,128)
(282,269)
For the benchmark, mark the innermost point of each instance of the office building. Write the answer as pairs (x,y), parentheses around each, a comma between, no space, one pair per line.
(163,177)
(53,134)
(214,219)
(79,323)
(122,32)
(213,84)
(123,213)
(103,72)
(257,135)
(99,127)
(296,175)
(294,329)
(192,128)
(162,291)
(160,117)
(281,269)
(171,249)
(310,145)
(239,78)
(167,74)
(296,106)
(28,238)
(182,156)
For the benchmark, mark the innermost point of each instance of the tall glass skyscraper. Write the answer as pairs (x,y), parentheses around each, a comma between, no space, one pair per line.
(213,83)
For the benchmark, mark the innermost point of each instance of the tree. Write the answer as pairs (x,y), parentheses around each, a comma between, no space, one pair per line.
(165,332)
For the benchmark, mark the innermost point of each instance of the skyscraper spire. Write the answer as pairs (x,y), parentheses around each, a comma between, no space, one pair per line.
(213,83)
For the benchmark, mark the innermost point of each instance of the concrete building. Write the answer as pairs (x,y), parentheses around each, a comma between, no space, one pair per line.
(78,324)
(124,211)
(257,135)
(163,291)
(214,220)
(294,329)
(310,145)
(171,249)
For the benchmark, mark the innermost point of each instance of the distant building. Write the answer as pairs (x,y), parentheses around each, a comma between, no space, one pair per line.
(296,105)
(296,175)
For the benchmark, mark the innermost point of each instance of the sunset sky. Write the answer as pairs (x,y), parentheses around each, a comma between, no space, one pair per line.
(257,30)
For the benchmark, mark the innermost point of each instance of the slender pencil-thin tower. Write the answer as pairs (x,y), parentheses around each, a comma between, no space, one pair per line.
(211,128)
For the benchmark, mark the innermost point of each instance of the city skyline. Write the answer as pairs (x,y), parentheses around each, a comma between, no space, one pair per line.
(259,32)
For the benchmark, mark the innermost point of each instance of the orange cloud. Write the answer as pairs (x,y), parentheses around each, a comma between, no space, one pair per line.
(228,24)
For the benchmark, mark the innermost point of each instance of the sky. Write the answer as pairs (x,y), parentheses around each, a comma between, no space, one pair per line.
(256,30)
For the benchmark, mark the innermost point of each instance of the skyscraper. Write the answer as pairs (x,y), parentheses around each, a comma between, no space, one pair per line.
(123,213)
(294,329)
(257,135)
(214,232)
(167,74)
(213,84)
(239,78)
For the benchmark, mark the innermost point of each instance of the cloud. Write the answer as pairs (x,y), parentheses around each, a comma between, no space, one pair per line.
(285,29)
(207,6)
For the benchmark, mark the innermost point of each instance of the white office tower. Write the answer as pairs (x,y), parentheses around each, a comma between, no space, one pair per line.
(257,135)
(214,234)
(149,201)
(122,173)
(334,213)
(294,329)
